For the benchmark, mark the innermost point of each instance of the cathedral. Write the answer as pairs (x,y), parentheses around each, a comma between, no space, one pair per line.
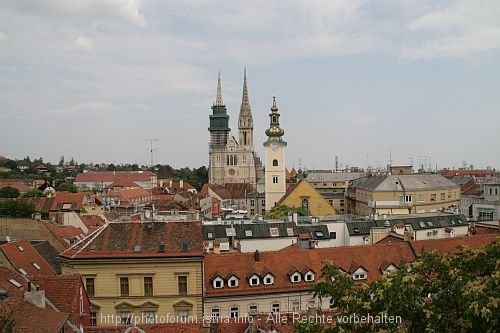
(232,160)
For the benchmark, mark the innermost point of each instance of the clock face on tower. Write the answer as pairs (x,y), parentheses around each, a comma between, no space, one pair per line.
(231,172)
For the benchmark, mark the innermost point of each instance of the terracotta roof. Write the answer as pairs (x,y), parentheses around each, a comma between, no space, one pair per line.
(64,292)
(67,201)
(129,194)
(139,240)
(42,204)
(92,222)
(23,256)
(28,318)
(20,187)
(476,173)
(279,264)
(239,190)
(451,245)
(65,233)
(221,191)
(122,183)
(111,176)
(230,326)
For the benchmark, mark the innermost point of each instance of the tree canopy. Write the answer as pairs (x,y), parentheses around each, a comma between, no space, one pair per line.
(9,192)
(16,209)
(435,293)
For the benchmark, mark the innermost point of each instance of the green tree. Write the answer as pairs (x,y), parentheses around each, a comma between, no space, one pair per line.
(435,293)
(280,211)
(68,187)
(34,193)
(9,192)
(7,323)
(16,209)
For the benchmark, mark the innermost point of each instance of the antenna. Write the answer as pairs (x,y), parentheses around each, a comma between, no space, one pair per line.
(151,149)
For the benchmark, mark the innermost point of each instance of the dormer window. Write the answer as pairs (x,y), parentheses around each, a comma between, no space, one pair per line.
(268,279)
(218,283)
(295,277)
(232,282)
(309,276)
(359,274)
(254,280)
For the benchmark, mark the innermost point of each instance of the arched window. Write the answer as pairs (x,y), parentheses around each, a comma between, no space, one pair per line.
(227,160)
(305,204)
(274,119)
(275,162)
(231,160)
(235,160)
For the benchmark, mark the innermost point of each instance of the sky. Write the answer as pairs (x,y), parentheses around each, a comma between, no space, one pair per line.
(415,81)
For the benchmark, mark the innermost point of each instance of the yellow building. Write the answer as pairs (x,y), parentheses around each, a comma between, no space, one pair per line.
(304,195)
(402,194)
(138,272)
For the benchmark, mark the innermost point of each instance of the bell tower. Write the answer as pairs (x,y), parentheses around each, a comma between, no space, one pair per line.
(274,174)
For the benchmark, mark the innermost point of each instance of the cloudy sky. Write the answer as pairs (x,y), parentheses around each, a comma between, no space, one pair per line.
(415,80)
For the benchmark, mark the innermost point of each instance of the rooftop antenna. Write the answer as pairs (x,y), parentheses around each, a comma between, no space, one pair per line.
(151,149)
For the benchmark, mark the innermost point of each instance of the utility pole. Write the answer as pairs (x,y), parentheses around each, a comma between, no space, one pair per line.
(151,149)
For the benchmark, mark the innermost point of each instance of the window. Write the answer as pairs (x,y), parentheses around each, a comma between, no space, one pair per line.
(234,311)
(252,212)
(36,266)
(289,232)
(254,280)
(252,203)
(126,317)
(233,282)
(218,283)
(359,276)
(252,309)
(215,312)
(20,248)
(275,162)
(264,202)
(421,197)
(274,232)
(433,196)
(275,179)
(93,318)
(333,235)
(305,204)
(182,284)
(15,283)
(330,202)
(295,306)
(149,317)
(182,315)
(124,291)
(408,198)
(268,279)
(148,286)
(248,233)
(90,286)
(210,235)
(443,196)
(295,278)
(275,307)
(309,276)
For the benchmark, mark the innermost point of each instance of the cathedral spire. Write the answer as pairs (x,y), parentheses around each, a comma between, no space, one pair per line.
(218,100)
(245,103)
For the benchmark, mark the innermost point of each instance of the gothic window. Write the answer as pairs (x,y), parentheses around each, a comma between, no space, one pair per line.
(305,204)
(227,160)
(235,160)
(275,162)
(231,160)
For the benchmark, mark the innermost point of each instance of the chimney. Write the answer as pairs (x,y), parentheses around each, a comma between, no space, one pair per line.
(181,184)
(170,183)
(257,255)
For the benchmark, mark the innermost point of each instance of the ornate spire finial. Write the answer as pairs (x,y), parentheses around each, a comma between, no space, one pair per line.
(245,103)
(218,100)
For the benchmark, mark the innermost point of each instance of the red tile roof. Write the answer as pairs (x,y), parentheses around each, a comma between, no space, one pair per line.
(64,291)
(23,256)
(451,245)
(119,240)
(278,263)
(111,176)
(28,318)
(122,183)
(67,201)
(92,222)
(239,190)
(477,173)
(65,233)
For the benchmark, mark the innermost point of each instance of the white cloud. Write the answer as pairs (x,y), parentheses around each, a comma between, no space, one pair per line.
(464,29)
(84,43)
(87,108)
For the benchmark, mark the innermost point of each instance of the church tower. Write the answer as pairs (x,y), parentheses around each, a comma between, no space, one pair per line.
(275,182)
(219,133)
(245,121)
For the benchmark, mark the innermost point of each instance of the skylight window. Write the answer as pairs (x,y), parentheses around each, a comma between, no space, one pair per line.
(23,271)
(37,266)
(422,224)
(15,283)
(319,234)
(289,231)
(430,224)
(248,233)
(20,248)
(210,235)
(274,232)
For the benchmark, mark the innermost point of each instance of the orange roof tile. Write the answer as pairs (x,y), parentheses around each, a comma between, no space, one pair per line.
(111,176)
(67,201)
(23,256)
(451,245)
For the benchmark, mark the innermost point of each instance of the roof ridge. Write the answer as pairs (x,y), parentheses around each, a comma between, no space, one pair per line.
(90,238)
